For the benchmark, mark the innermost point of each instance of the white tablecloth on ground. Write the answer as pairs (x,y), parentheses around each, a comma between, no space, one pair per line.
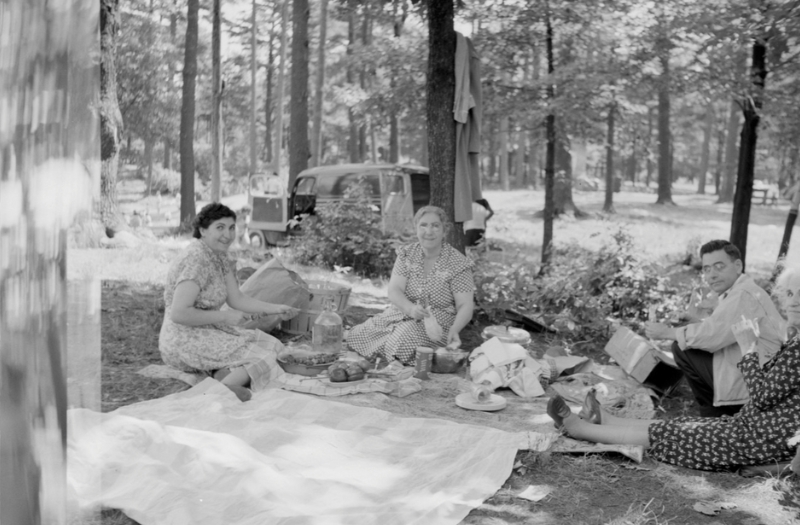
(201,457)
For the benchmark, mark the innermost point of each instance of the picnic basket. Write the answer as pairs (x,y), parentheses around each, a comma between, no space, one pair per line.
(320,292)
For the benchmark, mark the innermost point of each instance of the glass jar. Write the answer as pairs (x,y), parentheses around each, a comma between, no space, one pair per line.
(327,330)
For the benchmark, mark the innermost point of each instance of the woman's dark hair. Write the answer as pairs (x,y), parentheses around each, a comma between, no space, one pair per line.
(210,213)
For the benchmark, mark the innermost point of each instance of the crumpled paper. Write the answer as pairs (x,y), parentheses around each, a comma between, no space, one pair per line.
(506,365)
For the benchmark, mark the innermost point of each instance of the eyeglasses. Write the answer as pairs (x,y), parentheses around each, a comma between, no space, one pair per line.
(716,267)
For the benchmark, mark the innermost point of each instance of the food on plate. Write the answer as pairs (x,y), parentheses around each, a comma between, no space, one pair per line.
(342,371)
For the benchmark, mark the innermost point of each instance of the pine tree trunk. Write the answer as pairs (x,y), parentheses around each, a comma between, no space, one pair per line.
(253,71)
(216,103)
(187,114)
(268,103)
(281,88)
(299,148)
(664,146)
(352,143)
(708,130)
(751,107)
(731,154)
(149,146)
(608,206)
(441,125)
(110,117)
(503,152)
(550,156)
(316,134)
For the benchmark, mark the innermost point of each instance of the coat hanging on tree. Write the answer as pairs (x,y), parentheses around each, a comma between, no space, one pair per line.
(467,109)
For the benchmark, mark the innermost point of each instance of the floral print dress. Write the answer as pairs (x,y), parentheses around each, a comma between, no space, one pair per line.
(204,349)
(757,435)
(393,334)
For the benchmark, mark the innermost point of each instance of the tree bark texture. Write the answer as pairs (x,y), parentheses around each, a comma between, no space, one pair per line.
(720,151)
(269,103)
(751,107)
(441,125)
(216,103)
(253,71)
(187,114)
(664,149)
(608,206)
(110,117)
(731,154)
(550,155)
(502,148)
(352,143)
(708,131)
(298,147)
(281,89)
(316,134)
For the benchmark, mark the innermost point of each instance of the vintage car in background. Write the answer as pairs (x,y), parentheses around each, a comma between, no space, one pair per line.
(396,191)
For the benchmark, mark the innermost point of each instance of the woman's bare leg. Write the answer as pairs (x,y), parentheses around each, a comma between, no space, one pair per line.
(614,434)
(612,420)
(236,381)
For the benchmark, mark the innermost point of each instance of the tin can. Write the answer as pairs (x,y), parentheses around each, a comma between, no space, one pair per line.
(481,392)
(423,363)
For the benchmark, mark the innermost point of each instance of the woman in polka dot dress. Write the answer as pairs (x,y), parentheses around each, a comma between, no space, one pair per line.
(757,435)
(430,278)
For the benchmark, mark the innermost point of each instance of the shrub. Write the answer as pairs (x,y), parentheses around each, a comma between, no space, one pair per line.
(582,290)
(347,233)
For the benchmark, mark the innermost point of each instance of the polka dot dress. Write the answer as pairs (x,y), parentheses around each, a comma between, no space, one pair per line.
(757,435)
(393,334)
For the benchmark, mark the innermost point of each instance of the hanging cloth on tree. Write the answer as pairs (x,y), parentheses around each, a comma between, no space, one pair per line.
(468,111)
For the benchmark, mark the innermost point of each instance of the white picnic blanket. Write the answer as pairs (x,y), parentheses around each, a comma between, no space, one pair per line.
(201,457)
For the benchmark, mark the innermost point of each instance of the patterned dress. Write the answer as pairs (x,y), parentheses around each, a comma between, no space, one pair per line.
(393,334)
(757,435)
(203,349)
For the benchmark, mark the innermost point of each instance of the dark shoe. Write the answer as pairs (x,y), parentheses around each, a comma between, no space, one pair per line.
(558,410)
(592,411)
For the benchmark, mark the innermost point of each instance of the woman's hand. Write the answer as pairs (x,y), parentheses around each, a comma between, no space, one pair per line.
(233,317)
(286,312)
(418,312)
(453,337)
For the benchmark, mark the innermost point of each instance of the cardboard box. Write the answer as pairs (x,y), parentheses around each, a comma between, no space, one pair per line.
(644,361)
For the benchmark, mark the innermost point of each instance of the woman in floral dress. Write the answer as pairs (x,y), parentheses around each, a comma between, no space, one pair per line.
(757,435)
(430,278)
(196,336)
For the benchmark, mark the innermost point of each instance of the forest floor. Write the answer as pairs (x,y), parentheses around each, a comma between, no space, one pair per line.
(586,489)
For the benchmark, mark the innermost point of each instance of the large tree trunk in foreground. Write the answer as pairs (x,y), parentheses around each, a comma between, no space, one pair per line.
(298,147)
(187,114)
(441,125)
(550,155)
(316,133)
(216,103)
(110,117)
(731,154)
(281,88)
(751,107)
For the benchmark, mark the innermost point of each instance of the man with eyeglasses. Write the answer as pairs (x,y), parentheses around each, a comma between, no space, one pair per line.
(706,349)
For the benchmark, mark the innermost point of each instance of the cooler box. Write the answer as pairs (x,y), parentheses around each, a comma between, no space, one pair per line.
(644,361)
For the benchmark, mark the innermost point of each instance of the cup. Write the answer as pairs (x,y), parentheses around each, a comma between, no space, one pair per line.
(481,392)
(423,363)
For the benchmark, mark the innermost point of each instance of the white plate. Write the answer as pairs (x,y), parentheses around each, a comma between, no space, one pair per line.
(495,402)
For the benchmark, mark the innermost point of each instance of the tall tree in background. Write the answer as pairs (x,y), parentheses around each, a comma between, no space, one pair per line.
(110,116)
(298,146)
(316,134)
(441,125)
(352,143)
(187,113)
(216,103)
(705,154)
(731,154)
(608,206)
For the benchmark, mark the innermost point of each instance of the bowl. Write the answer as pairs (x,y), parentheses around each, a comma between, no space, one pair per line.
(448,362)
(507,334)
(304,369)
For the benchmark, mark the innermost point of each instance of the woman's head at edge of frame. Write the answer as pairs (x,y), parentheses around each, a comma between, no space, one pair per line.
(208,215)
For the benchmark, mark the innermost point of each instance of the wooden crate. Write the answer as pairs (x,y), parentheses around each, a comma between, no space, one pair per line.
(644,361)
